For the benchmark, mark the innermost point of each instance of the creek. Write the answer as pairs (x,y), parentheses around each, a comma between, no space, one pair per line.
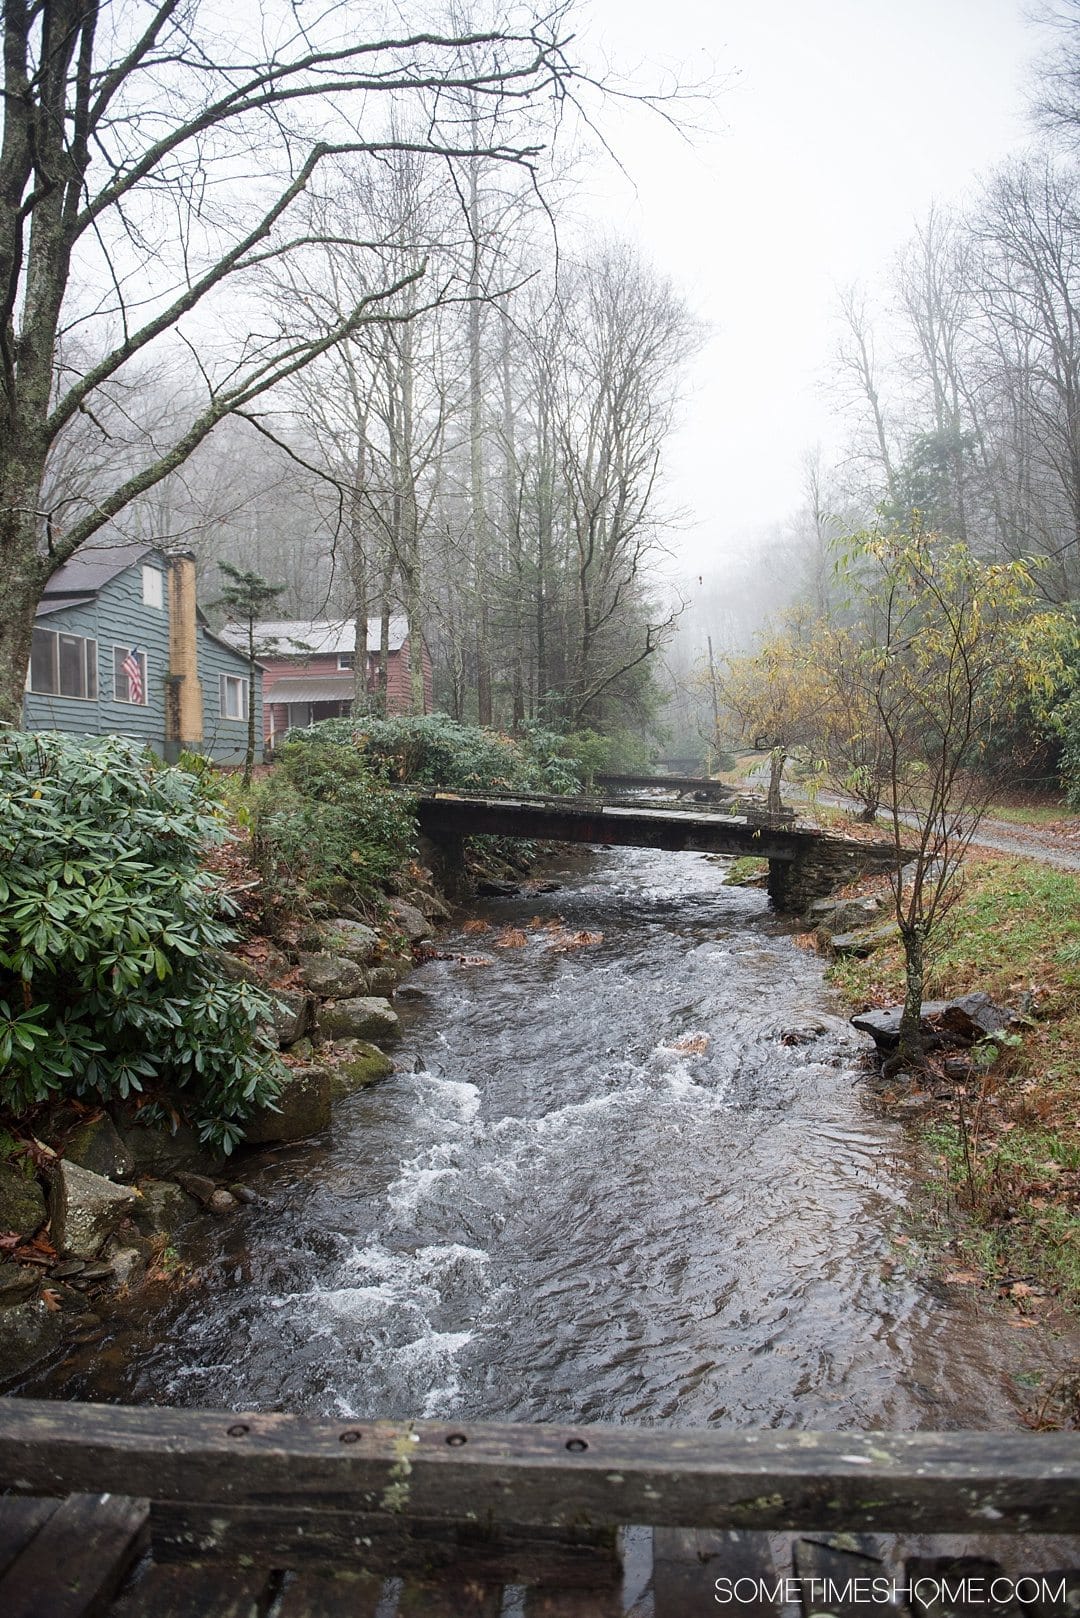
(638,1180)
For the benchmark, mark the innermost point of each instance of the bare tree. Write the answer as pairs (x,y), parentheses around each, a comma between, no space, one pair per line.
(626,336)
(933,287)
(1028,279)
(122,214)
(858,383)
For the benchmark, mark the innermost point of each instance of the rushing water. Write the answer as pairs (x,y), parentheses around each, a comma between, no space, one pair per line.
(636,1181)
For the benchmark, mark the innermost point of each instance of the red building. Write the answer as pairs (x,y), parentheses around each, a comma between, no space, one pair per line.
(308,669)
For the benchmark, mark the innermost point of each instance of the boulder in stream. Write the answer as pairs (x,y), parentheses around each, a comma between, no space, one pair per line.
(366,1017)
(357,1063)
(163,1207)
(292,1016)
(333,976)
(303,1108)
(159,1151)
(96,1145)
(18,1282)
(22,1201)
(958,1022)
(353,939)
(31,1332)
(411,921)
(865,940)
(85,1209)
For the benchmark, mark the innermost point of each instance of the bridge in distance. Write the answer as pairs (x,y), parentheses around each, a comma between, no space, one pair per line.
(804,862)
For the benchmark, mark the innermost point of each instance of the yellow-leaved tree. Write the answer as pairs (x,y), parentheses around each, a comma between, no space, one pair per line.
(939,661)
(774,699)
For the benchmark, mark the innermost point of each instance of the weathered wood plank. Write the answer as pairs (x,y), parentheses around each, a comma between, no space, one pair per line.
(77,1560)
(281,1537)
(940,1482)
(835,1573)
(958,1587)
(342,1595)
(19,1522)
(573,1604)
(196,1592)
(449,1598)
(688,1562)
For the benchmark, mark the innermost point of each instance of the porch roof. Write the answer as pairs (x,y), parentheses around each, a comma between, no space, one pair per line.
(331,689)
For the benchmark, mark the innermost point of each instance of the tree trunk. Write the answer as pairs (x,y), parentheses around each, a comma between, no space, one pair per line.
(24,574)
(777,760)
(249,753)
(910,1049)
(382,678)
(512,503)
(358,571)
(481,537)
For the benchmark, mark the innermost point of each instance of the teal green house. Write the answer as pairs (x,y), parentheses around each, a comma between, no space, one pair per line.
(121,648)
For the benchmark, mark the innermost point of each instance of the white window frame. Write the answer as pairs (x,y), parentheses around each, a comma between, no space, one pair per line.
(153,586)
(90,661)
(145,660)
(224,681)
(346,660)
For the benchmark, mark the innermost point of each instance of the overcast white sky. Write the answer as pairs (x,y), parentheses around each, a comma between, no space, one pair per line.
(843,120)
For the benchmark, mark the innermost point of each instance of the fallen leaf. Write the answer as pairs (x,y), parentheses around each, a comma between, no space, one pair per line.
(50,1299)
(476,926)
(575,941)
(1023,1320)
(692,1045)
(511,938)
(963,1278)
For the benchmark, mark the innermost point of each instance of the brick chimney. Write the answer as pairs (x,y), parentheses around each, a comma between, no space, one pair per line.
(183,703)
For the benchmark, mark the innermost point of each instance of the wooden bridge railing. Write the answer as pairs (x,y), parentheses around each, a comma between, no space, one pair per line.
(230,1505)
(280,1466)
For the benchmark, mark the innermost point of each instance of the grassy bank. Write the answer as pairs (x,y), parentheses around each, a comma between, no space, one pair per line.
(1007,1133)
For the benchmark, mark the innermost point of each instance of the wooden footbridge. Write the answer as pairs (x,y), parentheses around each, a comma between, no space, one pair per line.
(804,863)
(158,1513)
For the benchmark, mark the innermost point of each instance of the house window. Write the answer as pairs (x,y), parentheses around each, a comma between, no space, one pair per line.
(234,697)
(63,665)
(345,660)
(152,592)
(129,676)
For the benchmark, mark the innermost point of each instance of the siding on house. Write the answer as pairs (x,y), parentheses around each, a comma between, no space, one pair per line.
(302,687)
(117,616)
(225,740)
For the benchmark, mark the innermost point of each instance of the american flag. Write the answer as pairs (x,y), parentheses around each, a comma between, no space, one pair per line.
(133,669)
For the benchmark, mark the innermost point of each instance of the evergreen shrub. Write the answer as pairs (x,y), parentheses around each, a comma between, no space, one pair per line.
(108,924)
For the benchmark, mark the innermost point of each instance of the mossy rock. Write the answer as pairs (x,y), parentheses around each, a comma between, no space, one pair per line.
(303,1108)
(746,872)
(359,1064)
(22,1201)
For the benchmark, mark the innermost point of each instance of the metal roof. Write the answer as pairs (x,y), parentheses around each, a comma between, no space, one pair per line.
(230,646)
(327,689)
(298,638)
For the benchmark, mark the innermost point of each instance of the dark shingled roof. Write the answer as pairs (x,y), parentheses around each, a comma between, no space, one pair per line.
(89,571)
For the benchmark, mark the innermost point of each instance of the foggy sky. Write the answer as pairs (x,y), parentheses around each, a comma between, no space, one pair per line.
(841,122)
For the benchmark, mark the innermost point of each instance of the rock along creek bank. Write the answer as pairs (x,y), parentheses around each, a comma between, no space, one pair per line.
(625,1170)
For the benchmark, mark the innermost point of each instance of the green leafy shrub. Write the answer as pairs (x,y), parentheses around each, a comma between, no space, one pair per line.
(436,751)
(107,921)
(326,821)
(336,819)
